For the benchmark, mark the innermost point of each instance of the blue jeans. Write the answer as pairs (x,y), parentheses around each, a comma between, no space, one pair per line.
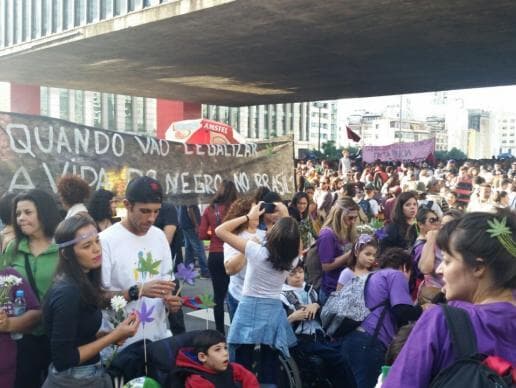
(194,248)
(232,305)
(365,355)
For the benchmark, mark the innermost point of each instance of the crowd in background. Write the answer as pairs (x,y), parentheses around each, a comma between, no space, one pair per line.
(406,235)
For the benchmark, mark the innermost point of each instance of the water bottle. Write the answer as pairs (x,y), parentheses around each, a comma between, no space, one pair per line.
(19,307)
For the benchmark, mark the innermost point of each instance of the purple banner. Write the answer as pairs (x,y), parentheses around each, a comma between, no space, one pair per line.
(415,151)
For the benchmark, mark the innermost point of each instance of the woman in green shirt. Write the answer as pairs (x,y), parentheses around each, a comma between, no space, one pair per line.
(34,255)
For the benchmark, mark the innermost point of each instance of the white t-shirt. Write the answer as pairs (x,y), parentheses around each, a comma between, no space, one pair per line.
(236,281)
(121,253)
(261,279)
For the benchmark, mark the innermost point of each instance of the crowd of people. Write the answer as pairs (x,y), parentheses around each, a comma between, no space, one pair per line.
(354,277)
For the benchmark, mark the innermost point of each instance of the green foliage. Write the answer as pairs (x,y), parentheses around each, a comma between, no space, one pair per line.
(330,152)
(454,153)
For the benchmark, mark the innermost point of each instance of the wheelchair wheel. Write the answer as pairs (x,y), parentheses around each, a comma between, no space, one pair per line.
(288,374)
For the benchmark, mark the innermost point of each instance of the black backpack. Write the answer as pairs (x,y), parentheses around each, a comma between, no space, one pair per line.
(468,370)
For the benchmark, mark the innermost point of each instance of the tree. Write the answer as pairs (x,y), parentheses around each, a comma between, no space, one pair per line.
(330,151)
(454,153)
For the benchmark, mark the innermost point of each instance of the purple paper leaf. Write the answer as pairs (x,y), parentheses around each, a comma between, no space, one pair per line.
(187,273)
(145,315)
(380,234)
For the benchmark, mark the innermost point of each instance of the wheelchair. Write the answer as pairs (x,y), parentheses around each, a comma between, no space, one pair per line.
(161,360)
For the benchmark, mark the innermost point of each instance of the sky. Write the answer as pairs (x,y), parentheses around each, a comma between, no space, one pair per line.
(501,98)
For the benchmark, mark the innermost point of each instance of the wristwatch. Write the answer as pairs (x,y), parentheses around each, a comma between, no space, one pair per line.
(133,292)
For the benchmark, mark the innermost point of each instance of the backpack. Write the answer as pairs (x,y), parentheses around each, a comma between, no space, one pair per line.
(366,207)
(313,267)
(345,309)
(470,369)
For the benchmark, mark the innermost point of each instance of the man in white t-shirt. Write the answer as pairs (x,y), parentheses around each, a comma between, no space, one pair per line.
(137,263)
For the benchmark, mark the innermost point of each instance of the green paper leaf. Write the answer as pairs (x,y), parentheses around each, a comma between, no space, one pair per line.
(206,301)
(498,228)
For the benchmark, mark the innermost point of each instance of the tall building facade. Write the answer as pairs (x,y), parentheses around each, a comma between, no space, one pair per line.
(378,129)
(505,133)
(437,127)
(310,123)
(103,110)
(26,20)
(480,126)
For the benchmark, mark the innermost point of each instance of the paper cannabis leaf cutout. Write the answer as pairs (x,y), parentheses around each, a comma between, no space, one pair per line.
(147,265)
(187,273)
(498,228)
(376,224)
(206,301)
(145,315)
(380,234)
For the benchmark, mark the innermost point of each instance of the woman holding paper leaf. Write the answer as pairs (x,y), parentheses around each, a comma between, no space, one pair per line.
(72,309)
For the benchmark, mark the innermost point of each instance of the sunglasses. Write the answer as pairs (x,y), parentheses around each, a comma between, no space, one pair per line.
(351,217)
(432,220)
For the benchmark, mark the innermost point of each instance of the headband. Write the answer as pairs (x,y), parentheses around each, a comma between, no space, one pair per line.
(362,240)
(500,230)
(77,239)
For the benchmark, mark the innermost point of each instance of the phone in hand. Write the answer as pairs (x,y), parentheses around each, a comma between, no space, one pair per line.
(268,206)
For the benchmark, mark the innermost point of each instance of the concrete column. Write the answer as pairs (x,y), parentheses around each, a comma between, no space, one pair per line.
(169,111)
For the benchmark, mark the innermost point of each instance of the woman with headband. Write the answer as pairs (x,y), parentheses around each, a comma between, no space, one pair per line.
(337,236)
(72,310)
(34,255)
(479,275)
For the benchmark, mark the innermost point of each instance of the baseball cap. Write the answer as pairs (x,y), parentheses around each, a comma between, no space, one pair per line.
(144,189)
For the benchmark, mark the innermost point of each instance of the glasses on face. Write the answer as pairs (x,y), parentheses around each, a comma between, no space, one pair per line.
(432,220)
(351,218)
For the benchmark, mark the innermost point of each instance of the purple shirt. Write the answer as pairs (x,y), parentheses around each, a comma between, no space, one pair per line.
(329,247)
(8,346)
(428,349)
(385,284)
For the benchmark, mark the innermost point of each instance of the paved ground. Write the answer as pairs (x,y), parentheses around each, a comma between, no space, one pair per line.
(196,320)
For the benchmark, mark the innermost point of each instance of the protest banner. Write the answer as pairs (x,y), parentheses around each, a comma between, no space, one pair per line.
(414,151)
(35,151)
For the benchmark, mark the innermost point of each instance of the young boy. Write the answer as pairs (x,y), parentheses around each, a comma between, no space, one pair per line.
(300,301)
(207,364)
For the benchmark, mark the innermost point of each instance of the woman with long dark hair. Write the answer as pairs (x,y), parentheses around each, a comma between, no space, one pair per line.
(34,255)
(211,218)
(72,310)
(260,317)
(479,275)
(299,203)
(401,232)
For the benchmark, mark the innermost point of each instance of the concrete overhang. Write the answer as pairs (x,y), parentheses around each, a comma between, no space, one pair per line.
(245,52)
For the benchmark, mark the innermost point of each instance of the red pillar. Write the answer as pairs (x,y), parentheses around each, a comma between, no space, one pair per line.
(25,99)
(169,111)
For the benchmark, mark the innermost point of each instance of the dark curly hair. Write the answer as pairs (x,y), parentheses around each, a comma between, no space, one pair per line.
(237,209)
(99,206)
(73,189)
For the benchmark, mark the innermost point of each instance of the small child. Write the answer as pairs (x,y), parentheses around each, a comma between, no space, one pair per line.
(207,365)
(361,261)
(300,301)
